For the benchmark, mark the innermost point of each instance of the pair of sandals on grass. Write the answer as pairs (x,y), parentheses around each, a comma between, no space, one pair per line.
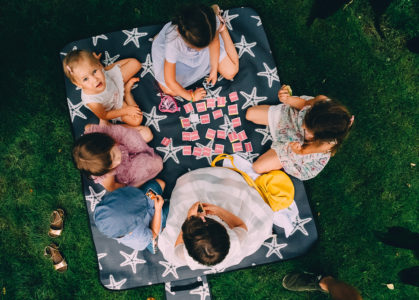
(55,230)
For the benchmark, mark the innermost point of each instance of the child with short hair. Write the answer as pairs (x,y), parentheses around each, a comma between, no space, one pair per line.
(105,91)
(306,132)
(190,47)
(116,156)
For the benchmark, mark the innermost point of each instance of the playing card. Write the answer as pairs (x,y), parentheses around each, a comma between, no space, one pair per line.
(217,114)
(233,96)
(237,147)
(242,135)
(233,110)
(165,141)
(221,134)
(236,122)
(187,150)
(205,119)
(210,134)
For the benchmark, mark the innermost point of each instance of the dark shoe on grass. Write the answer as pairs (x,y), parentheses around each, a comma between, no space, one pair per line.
(302,281)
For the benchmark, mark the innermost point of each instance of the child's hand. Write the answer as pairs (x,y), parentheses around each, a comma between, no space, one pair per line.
(212,78)
(158,202)
(284,95)
(296,147)
(211,209)
(130,83)
(133,110)
(199,94)
(193,211)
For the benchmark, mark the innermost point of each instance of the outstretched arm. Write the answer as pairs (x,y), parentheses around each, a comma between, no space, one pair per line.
(214,52)
(296,102)
(156,221)
(101,113)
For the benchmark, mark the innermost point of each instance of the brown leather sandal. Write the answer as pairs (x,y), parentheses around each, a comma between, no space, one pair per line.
(56,223)
(51,252)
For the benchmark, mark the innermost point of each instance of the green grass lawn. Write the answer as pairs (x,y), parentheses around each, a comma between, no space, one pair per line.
(371,183)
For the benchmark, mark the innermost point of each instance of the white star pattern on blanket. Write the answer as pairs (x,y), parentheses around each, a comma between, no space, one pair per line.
(75,110)
(131,260)
(147,66)
(109,60)
(94,198)
(227,19)
(249,156)
(299,225)
(266,134)
(202,291)
(209,158)
(213,270)
(99,256)
(95,38)
(227,126)
(271,74)
(194,120)
(168,288)
(133,36)
(257,18)
(213,93)
(170,152)
(115,285)
(65,53)
(169,268)
(243,47)
(153,118)
(252,99)
(274,247)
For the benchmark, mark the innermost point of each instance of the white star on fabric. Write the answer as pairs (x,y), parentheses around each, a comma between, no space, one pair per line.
(114,285)
(153,118)
(65,53)
(214,270)
(169,268)
(227,126)
(109,60)
(95,38)
(252,99)
(227,19)
(209,158)
(75,110)
(99,256)
(266,134)
(257,18)
(147,66)
(133,36)
(202,291)
(271,74)
(274,247)
(299,225)
(243,46)
(213,93)
(168,288)
(249,156)
(94,198)
(131,260)
(194,120)
(170,152)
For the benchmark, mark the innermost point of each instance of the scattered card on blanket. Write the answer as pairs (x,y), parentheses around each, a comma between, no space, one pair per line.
(236,122)
(206,151)
(242,135)
(217,114)
(211,103)
(205,119)
(221,134)
(188,108)
(233,136)
(197,151)
(219,148)
(185,122)
(201,106)
(210,134)
(186,136)
(165,141)
(221,101)
(233,96)
(248,147)
(187,150)
(233,110)
(237,147)
(194,135)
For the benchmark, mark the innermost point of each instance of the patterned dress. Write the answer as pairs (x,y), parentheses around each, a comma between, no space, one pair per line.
(285,125)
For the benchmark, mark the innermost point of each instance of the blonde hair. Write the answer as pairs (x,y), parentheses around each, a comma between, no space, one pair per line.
(92,153)
(73,58)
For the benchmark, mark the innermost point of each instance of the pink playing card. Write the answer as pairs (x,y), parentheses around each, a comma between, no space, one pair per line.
(194,135)
(248,147)
(211,102)
(233,110)
(165,141)
(185,122)
(233,96)
(237,147)
(187,150)
(206,151)
(217,114)
(201,106)
(186,136)
(197,151)
(236,122)
(233,136)
(219,149)
(221,134)
(188,108)
(205,119)
(210,134)
(242,135)
(221,101)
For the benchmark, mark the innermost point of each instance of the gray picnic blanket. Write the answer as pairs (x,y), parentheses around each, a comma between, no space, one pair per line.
(256,83)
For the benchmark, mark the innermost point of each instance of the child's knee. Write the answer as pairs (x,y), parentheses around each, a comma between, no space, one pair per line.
(230,74)
(250,114)
(161,183)
(258,168)
(136,63)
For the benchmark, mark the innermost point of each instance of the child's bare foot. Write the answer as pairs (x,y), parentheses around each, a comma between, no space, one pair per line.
(130,83)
